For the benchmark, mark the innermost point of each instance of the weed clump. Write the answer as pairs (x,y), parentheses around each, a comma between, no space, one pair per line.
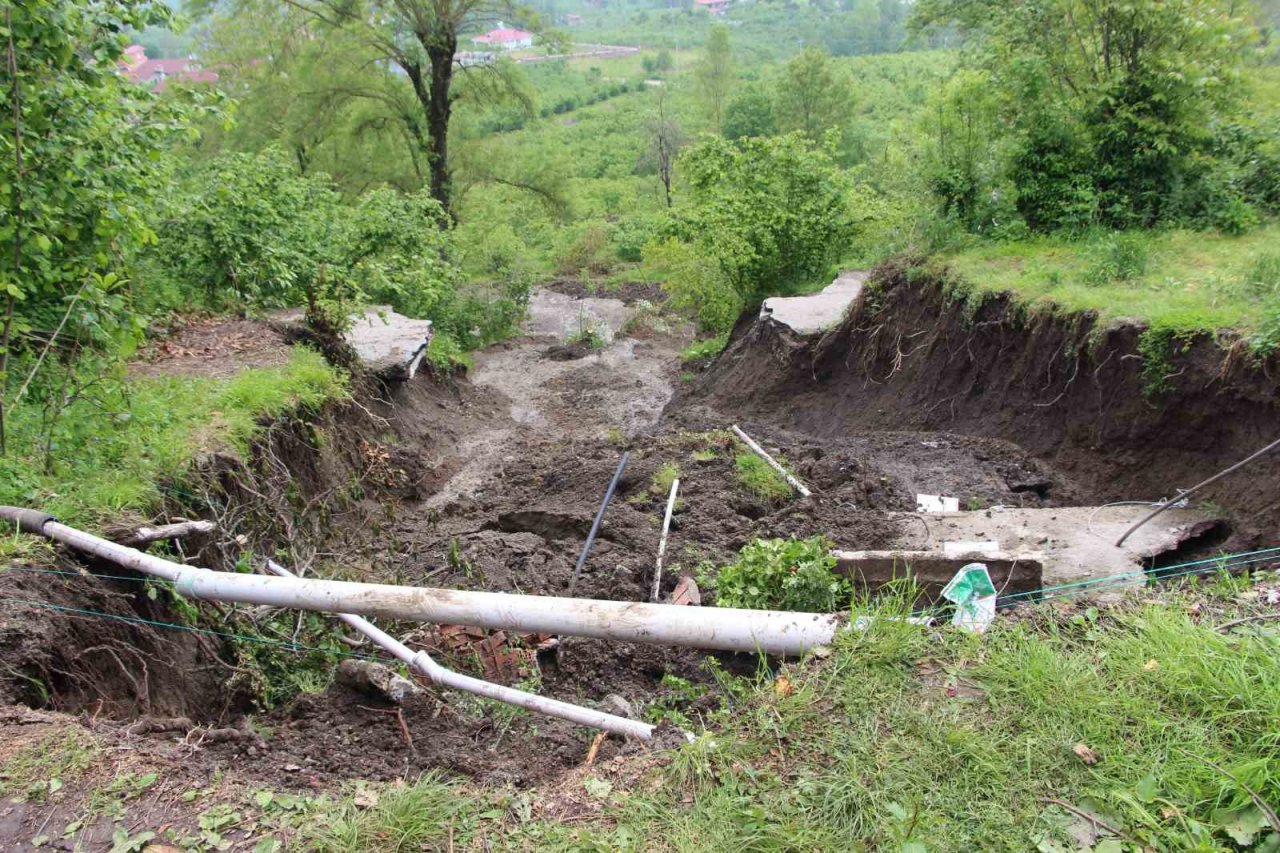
(783,574)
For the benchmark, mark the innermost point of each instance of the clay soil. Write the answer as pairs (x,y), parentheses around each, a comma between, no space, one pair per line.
(508,466)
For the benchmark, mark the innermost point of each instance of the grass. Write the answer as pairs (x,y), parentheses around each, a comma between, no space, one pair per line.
(755,475)
(704,349)
(1183,281)
(907,738)
(117,452)
(662,479)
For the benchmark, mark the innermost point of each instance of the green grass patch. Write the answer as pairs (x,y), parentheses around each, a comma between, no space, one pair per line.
(902,737)
(704,349)
(663,478)
(1178,280)
(755,475)
(114,451)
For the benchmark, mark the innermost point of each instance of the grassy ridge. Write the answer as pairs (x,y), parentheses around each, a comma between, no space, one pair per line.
(1180,280)
(156,427)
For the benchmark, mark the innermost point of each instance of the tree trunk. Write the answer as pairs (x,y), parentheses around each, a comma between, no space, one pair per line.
(439,108)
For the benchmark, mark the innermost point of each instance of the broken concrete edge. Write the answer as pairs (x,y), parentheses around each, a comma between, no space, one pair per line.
(389,345)
(932,570)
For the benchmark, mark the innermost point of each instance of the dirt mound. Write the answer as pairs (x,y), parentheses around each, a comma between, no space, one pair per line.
(915,353)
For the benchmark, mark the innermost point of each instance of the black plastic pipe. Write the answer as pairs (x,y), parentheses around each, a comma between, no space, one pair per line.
(595,525)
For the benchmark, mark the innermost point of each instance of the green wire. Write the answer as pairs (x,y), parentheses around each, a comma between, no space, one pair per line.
(138,620)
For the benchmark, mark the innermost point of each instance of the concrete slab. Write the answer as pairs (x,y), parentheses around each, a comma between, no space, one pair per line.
(391,345)
(820,311)
(931,570)
(1073,543)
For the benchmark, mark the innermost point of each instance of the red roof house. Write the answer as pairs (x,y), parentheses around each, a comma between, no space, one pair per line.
(157,72)
(715,7)
(505,39)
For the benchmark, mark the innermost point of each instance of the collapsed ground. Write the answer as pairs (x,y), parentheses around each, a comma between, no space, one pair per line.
(491,483)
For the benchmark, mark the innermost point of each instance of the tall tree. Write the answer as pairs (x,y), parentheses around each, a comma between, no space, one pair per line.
(714,77)
(420,37)
(812,95)
(665,141)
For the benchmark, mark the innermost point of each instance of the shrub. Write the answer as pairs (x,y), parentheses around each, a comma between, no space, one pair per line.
(586,252)
(1117,257)
(783,574)
(663,478)
(695,283)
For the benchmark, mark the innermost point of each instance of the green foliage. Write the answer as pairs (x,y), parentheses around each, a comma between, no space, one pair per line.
(119,448)
(252,231)
(704,349)
(714,77)
(783,574)
(813,96)
(662,479)
(696,284)
(771,212)
(81,164)
(749,114)
(759,478)
(1113,104)
(1117,257)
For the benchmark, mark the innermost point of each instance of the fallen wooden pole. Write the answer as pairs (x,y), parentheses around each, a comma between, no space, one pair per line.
(662,543)
(773,463)
(146,535)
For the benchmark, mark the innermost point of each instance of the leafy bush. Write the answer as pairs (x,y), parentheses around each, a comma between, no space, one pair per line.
(772,213)
(709,348)
(588,251)
(783,574)
(250,231)
(760,479)
(696,284)
(1117,257)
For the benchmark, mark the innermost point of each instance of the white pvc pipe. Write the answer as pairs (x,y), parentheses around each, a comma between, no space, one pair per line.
(662,543)
(425,664)
(767,631)
(773,463)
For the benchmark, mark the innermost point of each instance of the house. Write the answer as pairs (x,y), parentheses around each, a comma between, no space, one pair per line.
(714,7)
(157,72)
(572,20)
(505,39)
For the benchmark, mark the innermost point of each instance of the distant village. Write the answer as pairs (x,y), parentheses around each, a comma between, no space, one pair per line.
(137,67)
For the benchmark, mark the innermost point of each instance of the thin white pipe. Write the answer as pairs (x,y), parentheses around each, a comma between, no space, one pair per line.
(662,543)
(773,463)
(425,664)
(768,631)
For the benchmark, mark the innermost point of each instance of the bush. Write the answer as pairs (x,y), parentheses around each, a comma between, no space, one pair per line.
(783,574)
(1117,257)
(695,283)
(588,251)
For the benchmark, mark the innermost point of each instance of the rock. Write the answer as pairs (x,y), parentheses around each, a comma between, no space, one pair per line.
(615,704)
(376,680)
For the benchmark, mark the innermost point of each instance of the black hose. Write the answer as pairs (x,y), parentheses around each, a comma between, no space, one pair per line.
(1197,487)
(595,526)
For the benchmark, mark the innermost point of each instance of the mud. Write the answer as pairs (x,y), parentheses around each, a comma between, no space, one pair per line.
(491,482)
(912,354)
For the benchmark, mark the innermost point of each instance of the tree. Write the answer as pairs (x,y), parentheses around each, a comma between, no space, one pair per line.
(1137,85)
(79,163)
(714,78)
(812,96)
(772,212)
(749,114)
(665,141)
(420,37)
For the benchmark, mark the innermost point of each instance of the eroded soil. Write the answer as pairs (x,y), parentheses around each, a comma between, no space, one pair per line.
(508,468)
